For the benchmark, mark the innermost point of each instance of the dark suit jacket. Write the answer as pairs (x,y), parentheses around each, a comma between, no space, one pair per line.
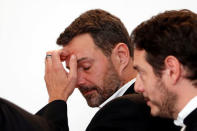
(123,114)
(191,121)
(129,113)
(13,118)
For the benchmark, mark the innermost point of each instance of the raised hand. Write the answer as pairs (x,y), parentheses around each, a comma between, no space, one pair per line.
(60,84)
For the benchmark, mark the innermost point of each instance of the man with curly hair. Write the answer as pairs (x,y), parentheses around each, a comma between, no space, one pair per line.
(165,58)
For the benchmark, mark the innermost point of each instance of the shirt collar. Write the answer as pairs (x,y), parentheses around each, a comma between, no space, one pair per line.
(119,92)
(191,105)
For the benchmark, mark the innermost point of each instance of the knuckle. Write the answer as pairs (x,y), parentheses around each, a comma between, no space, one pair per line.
(46,77)
(56,68)
(47,71)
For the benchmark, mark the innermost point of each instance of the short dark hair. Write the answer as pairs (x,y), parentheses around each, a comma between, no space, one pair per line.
(170,33)
(106,30)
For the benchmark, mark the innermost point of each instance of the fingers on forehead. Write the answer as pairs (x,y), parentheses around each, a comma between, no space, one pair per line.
(65,55)
(64,52)
(62,55)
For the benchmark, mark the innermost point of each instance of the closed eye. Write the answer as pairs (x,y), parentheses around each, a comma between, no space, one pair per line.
(87,68)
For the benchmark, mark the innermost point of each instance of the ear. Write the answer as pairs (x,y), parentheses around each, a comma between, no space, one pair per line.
(173,69)
(120,57)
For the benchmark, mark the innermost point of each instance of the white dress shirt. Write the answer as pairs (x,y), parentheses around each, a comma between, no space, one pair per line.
(119,92)
(191,106)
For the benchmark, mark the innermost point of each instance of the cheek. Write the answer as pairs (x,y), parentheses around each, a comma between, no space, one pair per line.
(94,77)
(99,78)
(98,72)
(150,82)
(151,88)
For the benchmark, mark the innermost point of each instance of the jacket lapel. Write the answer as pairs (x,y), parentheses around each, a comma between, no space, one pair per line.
(130,90)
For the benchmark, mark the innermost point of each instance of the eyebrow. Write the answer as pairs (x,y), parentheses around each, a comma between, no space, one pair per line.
(79,60)
(138,68)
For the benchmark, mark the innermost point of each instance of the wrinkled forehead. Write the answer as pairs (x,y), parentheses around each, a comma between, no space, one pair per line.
(82,46)
(78,52)
(81,53)
(79,45)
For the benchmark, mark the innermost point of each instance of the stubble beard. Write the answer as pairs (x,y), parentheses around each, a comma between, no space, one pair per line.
(111,83)
(167,106)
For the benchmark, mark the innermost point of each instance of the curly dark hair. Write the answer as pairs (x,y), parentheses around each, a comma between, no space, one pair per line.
(170,33)
(106,30)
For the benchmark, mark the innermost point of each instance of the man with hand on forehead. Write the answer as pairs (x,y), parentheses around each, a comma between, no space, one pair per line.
(98,51)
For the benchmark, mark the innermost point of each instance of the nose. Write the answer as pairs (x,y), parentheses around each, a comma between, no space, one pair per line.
(80,79)
(138,87)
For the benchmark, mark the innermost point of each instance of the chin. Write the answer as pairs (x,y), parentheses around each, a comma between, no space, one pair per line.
(154,111)
(93,104)
(157,112)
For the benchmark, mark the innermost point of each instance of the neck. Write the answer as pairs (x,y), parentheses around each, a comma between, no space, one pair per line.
(185,94)
(128,74)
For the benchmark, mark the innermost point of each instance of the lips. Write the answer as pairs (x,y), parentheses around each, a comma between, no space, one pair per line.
(87,90)
(146,99)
